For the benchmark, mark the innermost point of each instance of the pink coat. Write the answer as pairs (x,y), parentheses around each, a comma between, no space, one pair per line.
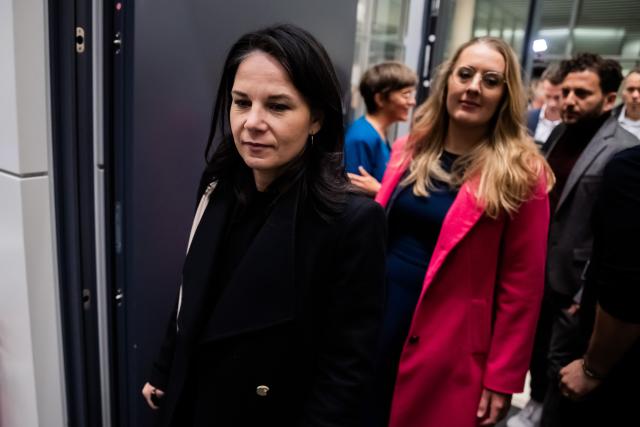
(474,323)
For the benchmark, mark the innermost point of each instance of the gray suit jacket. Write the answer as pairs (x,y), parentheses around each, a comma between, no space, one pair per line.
(570,234)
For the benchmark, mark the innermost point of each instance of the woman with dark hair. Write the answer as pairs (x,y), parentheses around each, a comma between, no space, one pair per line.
(282,287)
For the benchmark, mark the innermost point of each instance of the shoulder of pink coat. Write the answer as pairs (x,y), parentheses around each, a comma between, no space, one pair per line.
(395,168)
(400,141)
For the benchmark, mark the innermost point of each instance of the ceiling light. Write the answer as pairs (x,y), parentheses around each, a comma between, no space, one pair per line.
(539,45)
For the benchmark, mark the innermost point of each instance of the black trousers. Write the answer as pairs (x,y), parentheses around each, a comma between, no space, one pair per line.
(611,405)
(552,304)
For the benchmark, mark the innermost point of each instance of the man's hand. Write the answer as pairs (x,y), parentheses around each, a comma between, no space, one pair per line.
(574,383)
(365,182)
(493,407)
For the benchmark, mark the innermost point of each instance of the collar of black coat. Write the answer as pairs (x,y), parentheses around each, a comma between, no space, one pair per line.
(261,292)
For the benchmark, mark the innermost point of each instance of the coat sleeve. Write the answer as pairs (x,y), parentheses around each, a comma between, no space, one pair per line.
(519,289)
(349,329)
(160,369)
(616,270)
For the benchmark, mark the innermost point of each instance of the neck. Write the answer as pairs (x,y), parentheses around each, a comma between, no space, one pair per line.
(632,114)
(552,117)
(277,179)
(462,140)
(263,180)
(380,123)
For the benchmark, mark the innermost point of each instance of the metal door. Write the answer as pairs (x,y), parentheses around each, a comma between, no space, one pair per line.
(164,81)
(70,29)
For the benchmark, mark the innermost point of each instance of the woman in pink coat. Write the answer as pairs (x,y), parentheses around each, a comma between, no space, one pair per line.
(466,198)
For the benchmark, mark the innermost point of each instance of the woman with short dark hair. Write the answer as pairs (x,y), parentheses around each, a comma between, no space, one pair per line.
(282,286)
(388,91)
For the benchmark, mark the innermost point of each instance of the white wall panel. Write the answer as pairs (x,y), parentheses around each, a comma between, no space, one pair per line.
(31,373)
(9,159)
(23,102)
(18,405)
(43,300)
(31,65)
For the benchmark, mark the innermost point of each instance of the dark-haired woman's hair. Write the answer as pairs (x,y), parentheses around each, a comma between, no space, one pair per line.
(310,70)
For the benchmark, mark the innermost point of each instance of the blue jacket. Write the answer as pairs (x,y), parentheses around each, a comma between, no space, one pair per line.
(533,116)
(364,147)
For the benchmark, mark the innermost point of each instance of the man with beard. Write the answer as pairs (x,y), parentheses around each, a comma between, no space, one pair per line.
(577,150)
(578,153)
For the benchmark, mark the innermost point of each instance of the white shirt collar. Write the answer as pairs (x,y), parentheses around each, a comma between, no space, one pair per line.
(632,126)
(544,127)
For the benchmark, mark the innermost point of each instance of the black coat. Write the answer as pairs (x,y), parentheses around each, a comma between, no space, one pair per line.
(300,316)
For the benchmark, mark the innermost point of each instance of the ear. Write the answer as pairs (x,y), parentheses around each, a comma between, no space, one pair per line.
(609,101)
(317,118)
(380,99)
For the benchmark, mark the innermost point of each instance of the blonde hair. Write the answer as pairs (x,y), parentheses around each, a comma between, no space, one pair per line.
(507,164)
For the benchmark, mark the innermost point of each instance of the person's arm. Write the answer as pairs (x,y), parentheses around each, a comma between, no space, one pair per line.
(610,340)
(518,295)
(350,325)
(616,275)
(159,376)
(358,152)
(365,182)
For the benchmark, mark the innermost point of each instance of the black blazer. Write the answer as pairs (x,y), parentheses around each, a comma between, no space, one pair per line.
(300,316)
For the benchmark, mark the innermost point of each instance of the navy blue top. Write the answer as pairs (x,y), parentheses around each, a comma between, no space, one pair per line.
(364,147)
(414,227)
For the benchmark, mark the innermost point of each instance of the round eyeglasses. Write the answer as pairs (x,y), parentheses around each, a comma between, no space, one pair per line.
(489,79)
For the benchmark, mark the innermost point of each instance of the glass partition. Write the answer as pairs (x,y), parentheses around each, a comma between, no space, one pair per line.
(380,33)
(610,28)
(506,19)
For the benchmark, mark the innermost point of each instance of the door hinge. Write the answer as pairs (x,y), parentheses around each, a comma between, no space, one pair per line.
(80,39)
(86,299)
(117,42)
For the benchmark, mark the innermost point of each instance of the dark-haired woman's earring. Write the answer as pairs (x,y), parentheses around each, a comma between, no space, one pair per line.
(311,139)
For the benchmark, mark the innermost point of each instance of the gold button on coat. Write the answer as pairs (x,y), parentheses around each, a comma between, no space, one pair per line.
(262,390)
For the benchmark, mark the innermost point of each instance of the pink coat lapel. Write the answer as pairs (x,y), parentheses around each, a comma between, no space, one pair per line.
(395,169)
(464,213)
(462,216)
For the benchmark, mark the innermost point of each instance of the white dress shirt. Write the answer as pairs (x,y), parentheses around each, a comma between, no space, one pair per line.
(632,126)
(545,126)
